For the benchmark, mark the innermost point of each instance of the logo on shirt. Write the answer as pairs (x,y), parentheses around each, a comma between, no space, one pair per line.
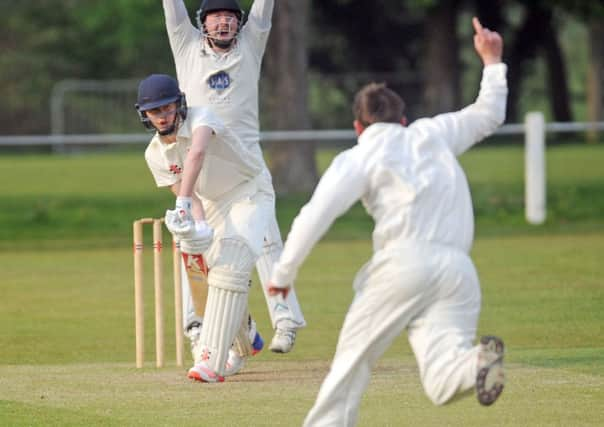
(175,169)
(219,81)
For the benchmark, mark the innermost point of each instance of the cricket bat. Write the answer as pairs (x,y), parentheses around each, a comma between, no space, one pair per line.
(197,273)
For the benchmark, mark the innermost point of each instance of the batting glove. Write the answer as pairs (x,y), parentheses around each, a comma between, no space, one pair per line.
(200,241)
(180,220)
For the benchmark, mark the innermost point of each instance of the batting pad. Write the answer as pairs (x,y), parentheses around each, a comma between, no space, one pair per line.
(225,312)
(226,306)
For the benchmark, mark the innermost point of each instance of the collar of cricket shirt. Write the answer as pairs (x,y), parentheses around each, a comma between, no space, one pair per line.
(377,130)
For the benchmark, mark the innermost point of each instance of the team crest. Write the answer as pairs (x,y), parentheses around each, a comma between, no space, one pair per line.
(219,81)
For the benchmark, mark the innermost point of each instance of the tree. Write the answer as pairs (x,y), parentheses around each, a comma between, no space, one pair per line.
(285,76)
(595,76)
(45,42)
(441,68)
(536,35)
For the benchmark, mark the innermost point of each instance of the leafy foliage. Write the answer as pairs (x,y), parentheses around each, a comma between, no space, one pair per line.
(351,42)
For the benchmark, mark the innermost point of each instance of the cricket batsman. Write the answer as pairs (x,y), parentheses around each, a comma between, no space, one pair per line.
(218,66)
(221,214)
(421,277)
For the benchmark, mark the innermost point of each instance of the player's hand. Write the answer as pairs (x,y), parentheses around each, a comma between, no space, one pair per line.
(488,44)
(180,221)
(274,290)
(195,246)
(198,241)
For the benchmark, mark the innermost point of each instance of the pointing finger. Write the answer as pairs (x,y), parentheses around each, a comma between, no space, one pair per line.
(477,26)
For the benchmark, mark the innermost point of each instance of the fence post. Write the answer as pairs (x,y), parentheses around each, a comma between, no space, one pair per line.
(534,168)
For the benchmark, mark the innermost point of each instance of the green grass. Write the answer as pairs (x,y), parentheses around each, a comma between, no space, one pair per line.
(66,312)
(95,197)
(66,333)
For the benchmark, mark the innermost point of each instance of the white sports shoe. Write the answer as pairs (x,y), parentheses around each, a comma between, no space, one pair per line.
(490,378)
(201,372)
(234,364)
(284,339)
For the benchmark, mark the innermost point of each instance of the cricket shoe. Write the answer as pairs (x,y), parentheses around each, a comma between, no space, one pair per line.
(284,339)
(257,341)
(201,372)
(235,362)
(490,378)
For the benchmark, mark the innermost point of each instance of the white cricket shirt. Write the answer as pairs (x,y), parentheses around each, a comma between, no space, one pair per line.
(227,163)
(225,83)
(408,179)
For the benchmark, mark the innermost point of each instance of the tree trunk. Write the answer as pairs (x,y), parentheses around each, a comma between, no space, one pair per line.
(595,76)
(442,92)
(538,32)
(292,163)
(556,73)
(522,49)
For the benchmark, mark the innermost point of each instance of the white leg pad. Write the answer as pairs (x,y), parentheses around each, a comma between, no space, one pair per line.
(226,307)
(222,321)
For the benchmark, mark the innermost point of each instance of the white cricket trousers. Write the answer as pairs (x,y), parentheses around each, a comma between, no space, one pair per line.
(430,290)
(230,217)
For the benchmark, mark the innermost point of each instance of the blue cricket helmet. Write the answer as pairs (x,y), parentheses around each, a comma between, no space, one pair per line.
(158,90)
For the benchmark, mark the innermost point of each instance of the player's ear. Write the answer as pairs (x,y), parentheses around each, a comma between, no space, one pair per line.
(404,120)
(358,127)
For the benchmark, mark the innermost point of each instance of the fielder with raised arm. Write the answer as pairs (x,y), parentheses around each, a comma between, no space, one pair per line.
(218,66)
(222,210)
(420,277)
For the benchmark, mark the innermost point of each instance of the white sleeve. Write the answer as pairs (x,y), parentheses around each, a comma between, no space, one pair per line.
(340,187)
(162,176)
(261,14)
(178,25)
(175,13)
(200,116)
(464,128)
(258,25)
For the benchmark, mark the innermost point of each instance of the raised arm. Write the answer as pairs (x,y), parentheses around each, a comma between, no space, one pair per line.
(464,128)
(261,14)
(175,13)
(488,44)
(258,27)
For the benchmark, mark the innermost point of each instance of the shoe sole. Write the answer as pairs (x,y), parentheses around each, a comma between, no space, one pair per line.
(490,379)
(195,376)
(201,380)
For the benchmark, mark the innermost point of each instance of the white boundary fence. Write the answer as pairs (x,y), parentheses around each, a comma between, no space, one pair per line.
(534,128)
